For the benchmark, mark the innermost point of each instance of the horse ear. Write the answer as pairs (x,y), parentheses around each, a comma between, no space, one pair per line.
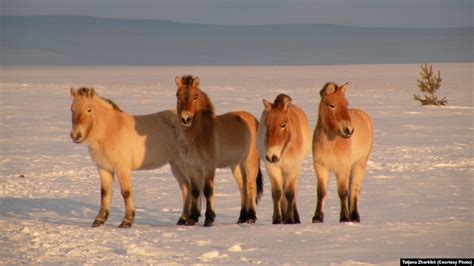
(73,92)
(92,93)
(328,89)
(196,82)
(267,105)
(286,105)
(178,81)
(344,87)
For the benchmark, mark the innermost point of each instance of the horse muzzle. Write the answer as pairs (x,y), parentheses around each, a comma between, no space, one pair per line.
(347,132)
(273,159)
(76,138)
(186,119)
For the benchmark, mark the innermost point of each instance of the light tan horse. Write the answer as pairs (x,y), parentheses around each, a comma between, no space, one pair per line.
(119,143)
(342,142)
(207,142)
(284,140)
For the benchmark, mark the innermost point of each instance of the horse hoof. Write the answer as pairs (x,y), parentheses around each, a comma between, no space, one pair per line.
(355,218)
(317,220)
(240,221)
(181,221)
(318,217)
(276,221)
(344,220)
(251,221)
(209,223)
(190,222)
(97,223)
(125,225)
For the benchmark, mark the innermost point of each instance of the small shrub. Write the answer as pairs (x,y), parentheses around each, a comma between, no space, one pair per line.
(428,85)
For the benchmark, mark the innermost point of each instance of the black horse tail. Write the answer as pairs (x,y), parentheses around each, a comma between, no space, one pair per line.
(259,185)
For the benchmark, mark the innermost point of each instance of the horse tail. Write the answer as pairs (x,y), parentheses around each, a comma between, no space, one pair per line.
(259,185)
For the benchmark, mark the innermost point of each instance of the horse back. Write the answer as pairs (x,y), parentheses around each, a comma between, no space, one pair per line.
(235,132)
(159,139)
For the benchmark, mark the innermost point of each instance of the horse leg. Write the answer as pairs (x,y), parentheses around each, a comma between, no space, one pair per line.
(239,179)
(106,178)
(292,215)
(355,188)
(276,181)
(184,186)
(252,167)
(125,182)
(209,194)
(195,203)
(322,174)
(343,192)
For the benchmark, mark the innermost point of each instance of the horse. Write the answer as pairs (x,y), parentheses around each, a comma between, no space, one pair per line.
(207,142)
(284,140)
(342,143)
(119,143)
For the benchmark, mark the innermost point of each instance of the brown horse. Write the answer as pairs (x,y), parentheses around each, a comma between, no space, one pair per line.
(284,140)
(119,143)
(342,142)
(207,142)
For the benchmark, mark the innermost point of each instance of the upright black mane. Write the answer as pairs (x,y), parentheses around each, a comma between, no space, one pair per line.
(281,100)
(187,80)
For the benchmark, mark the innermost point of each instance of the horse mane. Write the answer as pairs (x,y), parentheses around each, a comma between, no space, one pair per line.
(187,80)
(90,92)
(281,100)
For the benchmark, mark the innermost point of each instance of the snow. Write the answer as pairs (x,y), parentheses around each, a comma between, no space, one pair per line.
(416,197)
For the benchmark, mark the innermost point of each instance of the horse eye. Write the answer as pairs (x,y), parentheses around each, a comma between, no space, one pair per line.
(332,106)
(196,96)
(89,110)
(283,125)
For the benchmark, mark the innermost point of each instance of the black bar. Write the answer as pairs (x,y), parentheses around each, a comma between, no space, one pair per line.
(436,261)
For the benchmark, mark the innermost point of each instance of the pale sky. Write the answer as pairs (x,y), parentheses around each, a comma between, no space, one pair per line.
(373,13)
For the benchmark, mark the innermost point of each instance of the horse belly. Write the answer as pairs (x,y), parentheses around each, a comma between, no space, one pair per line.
(155,147)
(362,138)
(233,140)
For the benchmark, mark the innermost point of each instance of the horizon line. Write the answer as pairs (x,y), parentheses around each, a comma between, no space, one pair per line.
(235,25)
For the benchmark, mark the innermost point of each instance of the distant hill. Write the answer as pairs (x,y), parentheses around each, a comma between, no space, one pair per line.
(80,40)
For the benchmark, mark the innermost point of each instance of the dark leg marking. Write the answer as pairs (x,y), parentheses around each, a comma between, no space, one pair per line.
(355,217)
(101,218)
(344,197)
(242,217)
(126,194)
(276,195)
(195,213)
(296,215)
(127,221)
(103,192)
(251,217)
(318,213)
(318,217)
(181,221)
(210,214)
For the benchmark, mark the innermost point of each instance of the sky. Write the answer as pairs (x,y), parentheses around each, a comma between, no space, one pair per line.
(367,13)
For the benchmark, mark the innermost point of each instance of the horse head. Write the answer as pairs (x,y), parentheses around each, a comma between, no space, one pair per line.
(190,100)
(333,110)
(278,132)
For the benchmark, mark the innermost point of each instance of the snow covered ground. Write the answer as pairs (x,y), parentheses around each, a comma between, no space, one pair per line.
(417,196)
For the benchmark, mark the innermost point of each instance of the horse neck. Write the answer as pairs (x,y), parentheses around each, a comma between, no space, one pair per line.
(201,133)
(323,128)
(105,121)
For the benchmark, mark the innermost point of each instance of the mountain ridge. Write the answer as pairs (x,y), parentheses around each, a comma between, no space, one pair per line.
(87,40)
